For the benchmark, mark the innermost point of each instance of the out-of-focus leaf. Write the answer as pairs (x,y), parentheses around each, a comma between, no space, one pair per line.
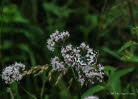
(135,32)
(12,14)
(6,45)
(46,97)
(126,45)
(107,69)
(114,82)
(94,20)
(130,58)
(32,96)
(29,51)
(93,90)
(113,53)
(14,87)
(32,30)
(59,11)
(112,16)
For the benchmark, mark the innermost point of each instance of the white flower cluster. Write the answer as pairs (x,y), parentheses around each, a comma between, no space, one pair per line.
(56,38)
(69,54)
(13,73)
(91,97)
(89,56)
(82,58)
(19,66)
(57,64)
(85,68)
(88,74)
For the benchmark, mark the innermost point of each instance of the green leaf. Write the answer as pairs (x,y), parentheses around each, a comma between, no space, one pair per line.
(128,44)
(114,83)
(107,69)
(94,20)
(27,49)
(129,57)
(112,53)
(14,88)
(93,90)
(57,10)
(6,45)
(12,14)
(46,97)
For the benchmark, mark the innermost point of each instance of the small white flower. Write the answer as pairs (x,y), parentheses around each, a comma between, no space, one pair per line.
(91,97)
(57,65)
(84,46)
(19,66)
(56,38)
(81,79)
(50,44)
(89,74)
(69,54)
(90,58)
(13,73)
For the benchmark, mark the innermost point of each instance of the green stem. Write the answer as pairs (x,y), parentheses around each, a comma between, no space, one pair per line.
(131,11)
(34,10)
(74,73)
(42,89)
(11,94)
(28,92)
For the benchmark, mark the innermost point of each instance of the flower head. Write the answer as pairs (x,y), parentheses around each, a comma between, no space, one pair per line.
(56,38)
(87,73)
(69,54)
(13,73)
(57,64)
(91,97)
(19,66)
(88,56)
(90,74)
(82,58)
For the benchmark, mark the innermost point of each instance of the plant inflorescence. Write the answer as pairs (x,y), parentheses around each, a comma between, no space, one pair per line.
(81,59)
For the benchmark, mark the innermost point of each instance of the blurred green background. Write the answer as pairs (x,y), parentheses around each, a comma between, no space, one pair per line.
(109,26)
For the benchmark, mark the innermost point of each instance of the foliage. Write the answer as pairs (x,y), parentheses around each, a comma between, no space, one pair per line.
(109,26)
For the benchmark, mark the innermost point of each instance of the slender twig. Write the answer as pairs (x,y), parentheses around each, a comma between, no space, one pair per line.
(43,85)
(35,69)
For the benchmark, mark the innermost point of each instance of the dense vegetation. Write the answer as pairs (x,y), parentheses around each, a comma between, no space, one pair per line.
(109,26)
